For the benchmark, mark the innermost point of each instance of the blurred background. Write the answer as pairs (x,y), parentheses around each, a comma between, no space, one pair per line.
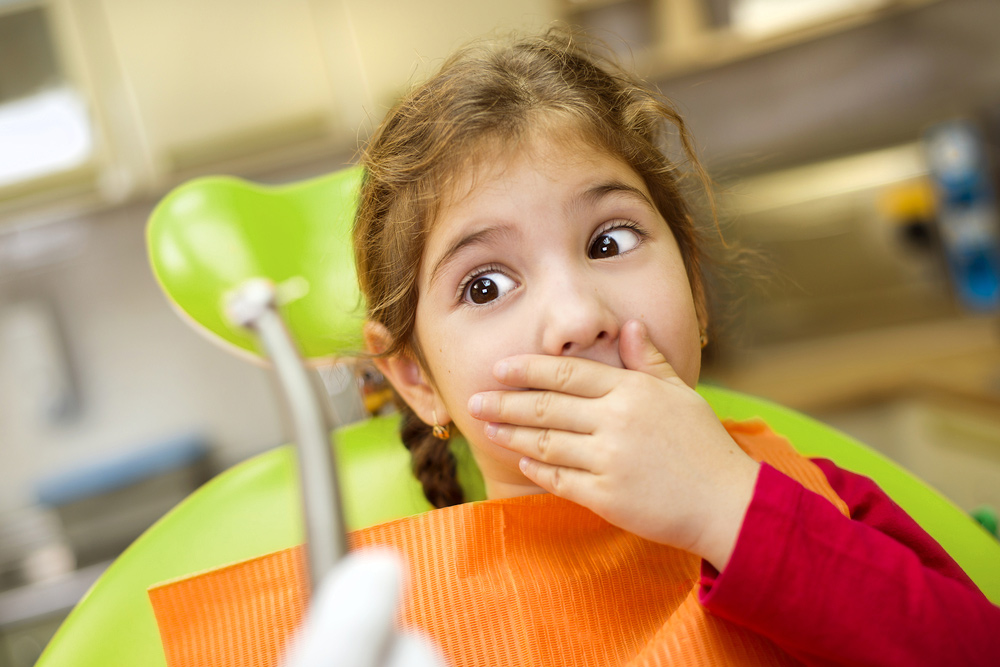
(854,144)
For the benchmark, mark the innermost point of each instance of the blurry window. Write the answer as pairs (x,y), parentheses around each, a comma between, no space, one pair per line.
(44,125)
(760,18)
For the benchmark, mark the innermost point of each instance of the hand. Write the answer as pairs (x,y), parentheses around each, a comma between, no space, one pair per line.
(635,445)
(350,620)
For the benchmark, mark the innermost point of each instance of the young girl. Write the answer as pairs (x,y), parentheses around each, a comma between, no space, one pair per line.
(533,276)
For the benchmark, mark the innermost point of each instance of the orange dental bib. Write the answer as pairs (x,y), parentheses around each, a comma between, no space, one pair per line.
(527,581)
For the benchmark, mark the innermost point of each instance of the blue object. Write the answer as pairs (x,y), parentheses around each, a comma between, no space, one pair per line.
(121,470)
(968,215)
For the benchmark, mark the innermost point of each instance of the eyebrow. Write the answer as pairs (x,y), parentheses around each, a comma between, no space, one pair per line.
(598,192)
(484,236)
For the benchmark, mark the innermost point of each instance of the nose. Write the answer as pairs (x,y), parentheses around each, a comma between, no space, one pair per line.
(577,320)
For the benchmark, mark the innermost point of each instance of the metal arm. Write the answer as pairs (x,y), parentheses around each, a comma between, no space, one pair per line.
(252,306)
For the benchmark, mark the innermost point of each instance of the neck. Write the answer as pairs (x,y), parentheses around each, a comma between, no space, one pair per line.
(501,476)
(498,489)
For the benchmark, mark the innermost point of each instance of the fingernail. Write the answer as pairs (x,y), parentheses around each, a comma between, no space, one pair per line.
(523,464)
(501,371)
(476,404)
(491,430)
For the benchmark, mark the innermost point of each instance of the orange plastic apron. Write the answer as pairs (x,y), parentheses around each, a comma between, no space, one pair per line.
(530,581)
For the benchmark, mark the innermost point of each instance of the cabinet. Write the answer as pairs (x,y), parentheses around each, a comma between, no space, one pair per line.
(673,37)
(177,88)
(209,81)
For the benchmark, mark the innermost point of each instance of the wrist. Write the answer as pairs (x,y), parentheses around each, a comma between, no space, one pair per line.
(719,539)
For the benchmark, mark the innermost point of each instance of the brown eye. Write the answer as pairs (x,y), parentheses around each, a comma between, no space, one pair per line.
(613,242)
(604,246)
(489,287)
(483,290)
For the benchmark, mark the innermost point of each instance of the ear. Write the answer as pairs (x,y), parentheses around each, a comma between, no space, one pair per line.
(407,376)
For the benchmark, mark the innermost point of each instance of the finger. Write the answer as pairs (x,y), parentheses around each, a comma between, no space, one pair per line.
(540,409)
(560,448)
(638,352)
(569,483)
(567,375)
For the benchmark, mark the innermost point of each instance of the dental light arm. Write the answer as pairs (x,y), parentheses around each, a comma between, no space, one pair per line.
(253,306)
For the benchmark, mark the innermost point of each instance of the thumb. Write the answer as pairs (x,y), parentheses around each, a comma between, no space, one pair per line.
(639,354)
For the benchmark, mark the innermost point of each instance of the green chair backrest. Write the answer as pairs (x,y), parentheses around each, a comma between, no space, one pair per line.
(253,509)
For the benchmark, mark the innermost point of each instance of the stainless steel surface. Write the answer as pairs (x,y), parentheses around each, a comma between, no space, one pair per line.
(253,306)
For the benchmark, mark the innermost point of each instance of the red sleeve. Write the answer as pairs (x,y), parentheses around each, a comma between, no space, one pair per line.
(873,589)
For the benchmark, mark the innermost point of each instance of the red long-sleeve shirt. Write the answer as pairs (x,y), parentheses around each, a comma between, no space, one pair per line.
(872,589)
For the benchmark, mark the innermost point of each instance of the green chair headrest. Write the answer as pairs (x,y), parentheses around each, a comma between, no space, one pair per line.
(210,235)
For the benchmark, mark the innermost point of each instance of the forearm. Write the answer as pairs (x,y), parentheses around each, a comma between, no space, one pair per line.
(831,590)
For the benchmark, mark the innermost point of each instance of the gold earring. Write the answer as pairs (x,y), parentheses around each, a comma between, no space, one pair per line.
(440,431)
(703,338)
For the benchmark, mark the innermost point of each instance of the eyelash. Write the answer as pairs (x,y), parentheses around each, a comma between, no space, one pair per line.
(622,223)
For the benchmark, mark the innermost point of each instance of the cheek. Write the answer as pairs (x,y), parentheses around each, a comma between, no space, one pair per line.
(460,374)
(461,355)
(684,355)
(461,362)
(674,328)
(687,361)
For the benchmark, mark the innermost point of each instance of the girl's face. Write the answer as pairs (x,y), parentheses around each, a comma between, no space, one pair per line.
(549,252)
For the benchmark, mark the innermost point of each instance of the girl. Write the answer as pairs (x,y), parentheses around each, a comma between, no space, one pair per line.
(534,281)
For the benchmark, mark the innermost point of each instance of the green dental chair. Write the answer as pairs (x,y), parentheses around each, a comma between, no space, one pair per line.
(209,236)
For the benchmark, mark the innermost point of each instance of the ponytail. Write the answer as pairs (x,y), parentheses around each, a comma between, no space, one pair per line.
(433,463)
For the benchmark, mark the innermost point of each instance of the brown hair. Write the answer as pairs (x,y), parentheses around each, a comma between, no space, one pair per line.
(497,94)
